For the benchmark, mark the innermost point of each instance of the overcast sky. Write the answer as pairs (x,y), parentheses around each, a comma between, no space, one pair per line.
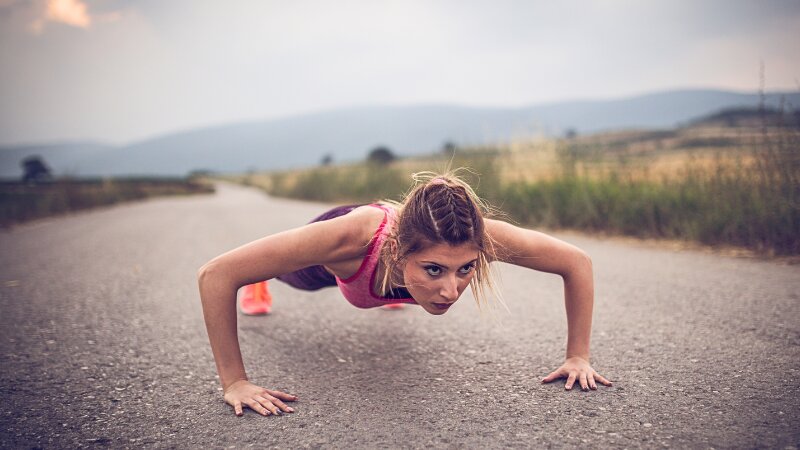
(123,70)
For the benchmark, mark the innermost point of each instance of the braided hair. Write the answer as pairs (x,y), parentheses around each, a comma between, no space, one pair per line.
(439,209)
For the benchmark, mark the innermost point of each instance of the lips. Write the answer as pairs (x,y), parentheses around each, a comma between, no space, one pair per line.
(442,305)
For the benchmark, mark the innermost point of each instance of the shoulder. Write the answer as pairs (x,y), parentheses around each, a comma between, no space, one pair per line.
(532,249)
(502,232)
(349,235)
(365,219)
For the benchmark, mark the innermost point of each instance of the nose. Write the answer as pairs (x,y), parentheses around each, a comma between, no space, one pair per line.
(449,289)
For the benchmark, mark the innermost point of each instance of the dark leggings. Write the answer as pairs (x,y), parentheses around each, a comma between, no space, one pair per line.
(316,277)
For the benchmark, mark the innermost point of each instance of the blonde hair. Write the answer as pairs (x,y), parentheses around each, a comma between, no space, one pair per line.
(441,208)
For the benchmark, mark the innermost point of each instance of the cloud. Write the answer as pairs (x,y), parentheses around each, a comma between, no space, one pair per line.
(70,12)
(74,13)
(37,14)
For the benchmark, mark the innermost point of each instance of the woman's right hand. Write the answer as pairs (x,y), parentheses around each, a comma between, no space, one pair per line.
(263,401)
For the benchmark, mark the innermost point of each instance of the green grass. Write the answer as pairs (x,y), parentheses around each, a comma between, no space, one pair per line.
(711,211)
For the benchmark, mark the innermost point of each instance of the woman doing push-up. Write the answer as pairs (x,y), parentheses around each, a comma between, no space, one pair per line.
(424,251)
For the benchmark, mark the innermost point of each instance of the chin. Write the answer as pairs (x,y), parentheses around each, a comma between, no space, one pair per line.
(435,311)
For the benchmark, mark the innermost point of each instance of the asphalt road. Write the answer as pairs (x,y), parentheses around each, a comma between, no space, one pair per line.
(103,344)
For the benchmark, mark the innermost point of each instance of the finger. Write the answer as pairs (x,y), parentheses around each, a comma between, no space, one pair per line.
(255,406)
(584,382)
(268,404)
(279,404)
(601,379)
(237,408)
(592,384)
(570,381)
(553,376)
(281,395)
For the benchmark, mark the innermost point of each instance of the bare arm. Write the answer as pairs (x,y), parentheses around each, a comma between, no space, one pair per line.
(538,251)
(219,279)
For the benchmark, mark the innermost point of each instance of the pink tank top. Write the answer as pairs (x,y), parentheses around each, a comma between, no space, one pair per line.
(357,289)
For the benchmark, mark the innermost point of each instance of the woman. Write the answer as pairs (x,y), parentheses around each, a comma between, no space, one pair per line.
(424,251)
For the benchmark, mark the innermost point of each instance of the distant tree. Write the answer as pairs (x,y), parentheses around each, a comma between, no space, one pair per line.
(327,160)
(380,155)
(571,133)
(35,170)
(448,148)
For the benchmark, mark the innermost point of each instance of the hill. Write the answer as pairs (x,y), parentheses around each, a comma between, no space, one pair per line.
(348,134)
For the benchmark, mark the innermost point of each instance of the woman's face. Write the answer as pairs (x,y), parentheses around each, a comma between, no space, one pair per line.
(437,275)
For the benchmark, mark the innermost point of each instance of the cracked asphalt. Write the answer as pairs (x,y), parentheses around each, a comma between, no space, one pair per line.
(102,344)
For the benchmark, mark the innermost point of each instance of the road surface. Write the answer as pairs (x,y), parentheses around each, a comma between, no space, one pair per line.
(103,344)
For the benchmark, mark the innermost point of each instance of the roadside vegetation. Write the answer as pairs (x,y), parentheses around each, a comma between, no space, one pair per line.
(730,179)
(24,201)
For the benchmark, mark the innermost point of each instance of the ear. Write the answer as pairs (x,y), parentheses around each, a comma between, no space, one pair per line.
(393,248)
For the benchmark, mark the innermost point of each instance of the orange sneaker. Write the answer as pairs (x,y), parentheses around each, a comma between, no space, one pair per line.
(393,306)
(256,299)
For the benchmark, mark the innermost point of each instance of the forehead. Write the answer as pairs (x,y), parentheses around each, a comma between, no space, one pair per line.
(447,254)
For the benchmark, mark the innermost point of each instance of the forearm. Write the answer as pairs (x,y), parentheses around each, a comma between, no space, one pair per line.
(219,311)
(579,302)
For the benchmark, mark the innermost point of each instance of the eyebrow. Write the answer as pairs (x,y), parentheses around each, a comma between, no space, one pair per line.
(445,267)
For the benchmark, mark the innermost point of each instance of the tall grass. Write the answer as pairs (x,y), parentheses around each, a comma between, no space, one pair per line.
(744,197)
(752,203)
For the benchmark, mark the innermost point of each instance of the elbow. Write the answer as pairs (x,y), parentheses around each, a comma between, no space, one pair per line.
(580,265)
(210,271)
(214,282)
(585,261)
(204,272)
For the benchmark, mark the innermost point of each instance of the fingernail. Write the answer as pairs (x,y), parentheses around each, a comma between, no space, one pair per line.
(290,409)
(279,412)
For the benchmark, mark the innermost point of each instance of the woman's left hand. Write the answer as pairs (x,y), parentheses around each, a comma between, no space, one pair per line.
(577,368)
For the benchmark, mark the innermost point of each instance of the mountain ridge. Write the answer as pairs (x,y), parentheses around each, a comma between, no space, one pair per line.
(348,133)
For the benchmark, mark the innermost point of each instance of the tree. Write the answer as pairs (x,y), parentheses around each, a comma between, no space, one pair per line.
(327,160)
(448,148)
(35,170)
(380,155)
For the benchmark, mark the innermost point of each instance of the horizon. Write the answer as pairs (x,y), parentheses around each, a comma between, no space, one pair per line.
(122,71)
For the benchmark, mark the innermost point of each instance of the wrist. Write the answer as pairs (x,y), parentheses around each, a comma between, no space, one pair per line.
(228,384)
(583,356)
(578,348)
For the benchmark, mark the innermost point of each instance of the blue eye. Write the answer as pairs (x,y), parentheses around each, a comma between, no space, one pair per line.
(433,270)
(467,269)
